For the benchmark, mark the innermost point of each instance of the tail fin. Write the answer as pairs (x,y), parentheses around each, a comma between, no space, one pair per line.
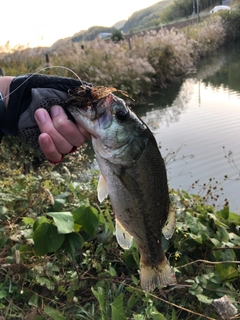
(152,277)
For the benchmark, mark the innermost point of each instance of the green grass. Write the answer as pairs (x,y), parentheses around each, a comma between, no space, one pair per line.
(60,259)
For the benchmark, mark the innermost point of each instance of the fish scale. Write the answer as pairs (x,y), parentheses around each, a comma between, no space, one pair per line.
(133,174)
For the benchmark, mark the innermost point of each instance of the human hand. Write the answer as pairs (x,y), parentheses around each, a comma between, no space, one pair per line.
(59,135)
(30,115)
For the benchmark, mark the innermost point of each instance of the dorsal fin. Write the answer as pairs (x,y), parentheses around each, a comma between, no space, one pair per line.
(123,237)
(170,224)
(102,188)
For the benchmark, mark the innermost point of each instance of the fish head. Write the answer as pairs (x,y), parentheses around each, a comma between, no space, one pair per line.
(116,131)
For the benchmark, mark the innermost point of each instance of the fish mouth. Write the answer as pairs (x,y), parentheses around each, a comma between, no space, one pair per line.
(80,100)
(97,115)
(86,110)
(94,116)
(92,110)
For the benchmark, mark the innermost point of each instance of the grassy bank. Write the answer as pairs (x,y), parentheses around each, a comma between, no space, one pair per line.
(60,259)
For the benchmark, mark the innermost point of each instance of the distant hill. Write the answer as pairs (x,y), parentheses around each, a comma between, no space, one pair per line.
(151,17)
(146,18)
(119,24)
(91,33)
(140,18)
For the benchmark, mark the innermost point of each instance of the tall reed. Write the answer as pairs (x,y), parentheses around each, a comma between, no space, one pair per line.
(139,64)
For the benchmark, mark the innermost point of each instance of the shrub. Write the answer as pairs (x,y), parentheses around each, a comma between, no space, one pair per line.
(207,36)
(169,52)
(231,22)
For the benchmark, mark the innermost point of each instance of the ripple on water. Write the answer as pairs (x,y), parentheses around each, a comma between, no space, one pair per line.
(208,120)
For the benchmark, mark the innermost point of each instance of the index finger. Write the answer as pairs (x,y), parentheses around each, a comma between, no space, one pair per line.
(72,132)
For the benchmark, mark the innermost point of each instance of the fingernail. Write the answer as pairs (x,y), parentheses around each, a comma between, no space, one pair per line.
(40,116)
(55,110)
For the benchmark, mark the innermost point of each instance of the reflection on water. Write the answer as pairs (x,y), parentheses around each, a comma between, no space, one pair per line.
(199,120)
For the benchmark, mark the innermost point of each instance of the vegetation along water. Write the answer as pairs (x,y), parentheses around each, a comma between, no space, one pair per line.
(59,256)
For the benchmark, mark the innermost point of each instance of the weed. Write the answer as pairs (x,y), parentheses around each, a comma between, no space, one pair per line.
(60,260)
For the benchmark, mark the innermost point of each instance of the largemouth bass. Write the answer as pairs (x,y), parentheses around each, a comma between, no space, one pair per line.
(133,174)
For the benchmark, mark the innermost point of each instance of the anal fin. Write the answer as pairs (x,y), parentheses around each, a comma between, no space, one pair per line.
(123,237)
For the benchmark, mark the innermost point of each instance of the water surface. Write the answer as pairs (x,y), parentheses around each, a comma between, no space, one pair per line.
(199,120)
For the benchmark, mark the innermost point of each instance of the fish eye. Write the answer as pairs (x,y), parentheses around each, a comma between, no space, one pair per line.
(121,115)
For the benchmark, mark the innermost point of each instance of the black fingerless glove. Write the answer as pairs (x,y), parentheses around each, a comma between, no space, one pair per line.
(27,94)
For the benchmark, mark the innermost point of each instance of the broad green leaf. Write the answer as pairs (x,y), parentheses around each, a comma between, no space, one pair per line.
(3,210)
(135,280)
(155,315)
(158,316)
(132,301)
(58,204)
(234,218)
(117,308)
(216,220)
(131,257)
(100,295)
(215,242)
(44,281)
(3,239)
(87,217)
(222,234)
(196,288)
(112,271)
(73,241)
(226,272)
(3,293)
(204,299)
(228,255)
(63,221)
(33,301)
(47,239)
(174,314)
(225,212)
(234,238)
(28,221)
(40,221)
(54,314)
(217,255)
(138,317)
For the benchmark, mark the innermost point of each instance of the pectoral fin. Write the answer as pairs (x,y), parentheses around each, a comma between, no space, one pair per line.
(102,189)
(127,180)
(123,237)
(170,224)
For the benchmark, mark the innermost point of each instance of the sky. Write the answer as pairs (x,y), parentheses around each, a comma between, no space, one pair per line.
(41,23)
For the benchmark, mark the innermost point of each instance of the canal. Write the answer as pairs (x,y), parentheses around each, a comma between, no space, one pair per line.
(197,124)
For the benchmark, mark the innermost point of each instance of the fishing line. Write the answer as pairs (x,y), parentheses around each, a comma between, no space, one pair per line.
(39,71)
